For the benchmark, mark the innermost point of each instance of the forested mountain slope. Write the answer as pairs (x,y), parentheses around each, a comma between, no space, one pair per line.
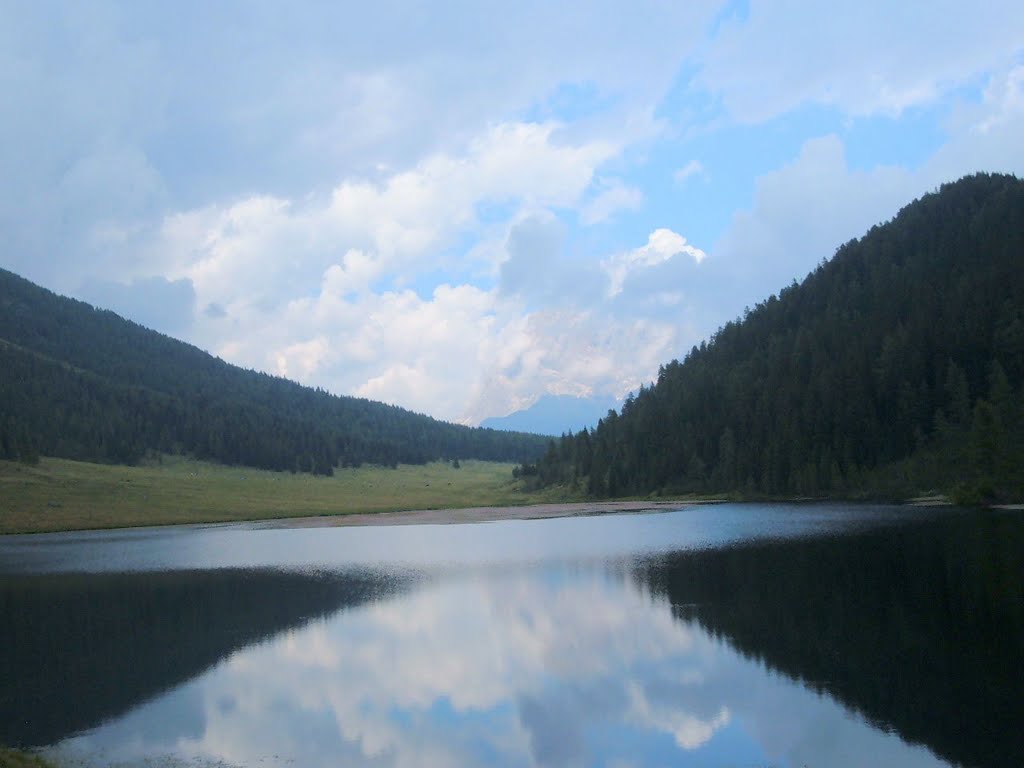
(84,383)
(896,365)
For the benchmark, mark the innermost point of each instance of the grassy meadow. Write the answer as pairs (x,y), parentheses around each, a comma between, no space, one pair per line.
(11,758)
(58,495)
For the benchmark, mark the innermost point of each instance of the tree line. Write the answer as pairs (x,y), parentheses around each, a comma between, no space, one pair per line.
(895,366)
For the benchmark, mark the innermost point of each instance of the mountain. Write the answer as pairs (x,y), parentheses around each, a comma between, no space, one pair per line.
(83,383)
(897,365)
(554,415)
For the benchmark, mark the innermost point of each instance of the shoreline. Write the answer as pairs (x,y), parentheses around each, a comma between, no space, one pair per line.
(488,514)
(539,511)
(477,514)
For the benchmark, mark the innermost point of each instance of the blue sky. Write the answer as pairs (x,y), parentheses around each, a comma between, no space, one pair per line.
(460,207)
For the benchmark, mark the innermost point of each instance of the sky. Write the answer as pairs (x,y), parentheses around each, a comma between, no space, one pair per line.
(459,207)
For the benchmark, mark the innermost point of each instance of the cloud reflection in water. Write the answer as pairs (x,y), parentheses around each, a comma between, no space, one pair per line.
(550,666)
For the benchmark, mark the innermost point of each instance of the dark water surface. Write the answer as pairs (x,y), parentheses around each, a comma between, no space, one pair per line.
(733,636)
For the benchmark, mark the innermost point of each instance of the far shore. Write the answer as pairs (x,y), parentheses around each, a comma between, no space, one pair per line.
(61,495)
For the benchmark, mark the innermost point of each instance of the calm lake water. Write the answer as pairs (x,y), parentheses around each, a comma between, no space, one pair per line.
(733,636)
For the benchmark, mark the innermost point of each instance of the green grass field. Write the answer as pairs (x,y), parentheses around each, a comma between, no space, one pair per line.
(60,495)
(11,758)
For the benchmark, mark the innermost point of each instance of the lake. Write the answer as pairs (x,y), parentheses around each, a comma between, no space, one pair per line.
(728,635)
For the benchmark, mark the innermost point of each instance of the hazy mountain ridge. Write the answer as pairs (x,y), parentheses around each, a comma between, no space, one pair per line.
(84,383)
(898,365)
(554,415)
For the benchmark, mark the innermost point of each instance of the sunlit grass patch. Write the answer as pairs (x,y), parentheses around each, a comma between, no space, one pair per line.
(12,758)
(58,494)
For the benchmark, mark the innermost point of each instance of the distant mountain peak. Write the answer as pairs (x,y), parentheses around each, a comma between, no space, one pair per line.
(555,415)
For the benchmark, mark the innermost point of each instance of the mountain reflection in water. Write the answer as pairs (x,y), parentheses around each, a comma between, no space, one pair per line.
(919,628)
(81,648)
(890,645)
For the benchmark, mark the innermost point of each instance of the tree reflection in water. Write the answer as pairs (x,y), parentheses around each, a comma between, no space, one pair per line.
(920,628)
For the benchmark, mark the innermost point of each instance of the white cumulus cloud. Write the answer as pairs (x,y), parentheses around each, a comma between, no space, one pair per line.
(662,245)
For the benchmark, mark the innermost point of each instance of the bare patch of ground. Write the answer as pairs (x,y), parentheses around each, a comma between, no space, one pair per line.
(934,500)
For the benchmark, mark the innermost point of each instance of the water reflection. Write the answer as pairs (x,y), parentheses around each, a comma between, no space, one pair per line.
(432,546)
(881,645)
(565,667)
(81,648)
(919,628)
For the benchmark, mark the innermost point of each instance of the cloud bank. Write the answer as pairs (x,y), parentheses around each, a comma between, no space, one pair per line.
(461,211)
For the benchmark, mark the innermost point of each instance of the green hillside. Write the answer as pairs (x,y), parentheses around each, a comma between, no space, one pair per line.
(83,383)
(896,366)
